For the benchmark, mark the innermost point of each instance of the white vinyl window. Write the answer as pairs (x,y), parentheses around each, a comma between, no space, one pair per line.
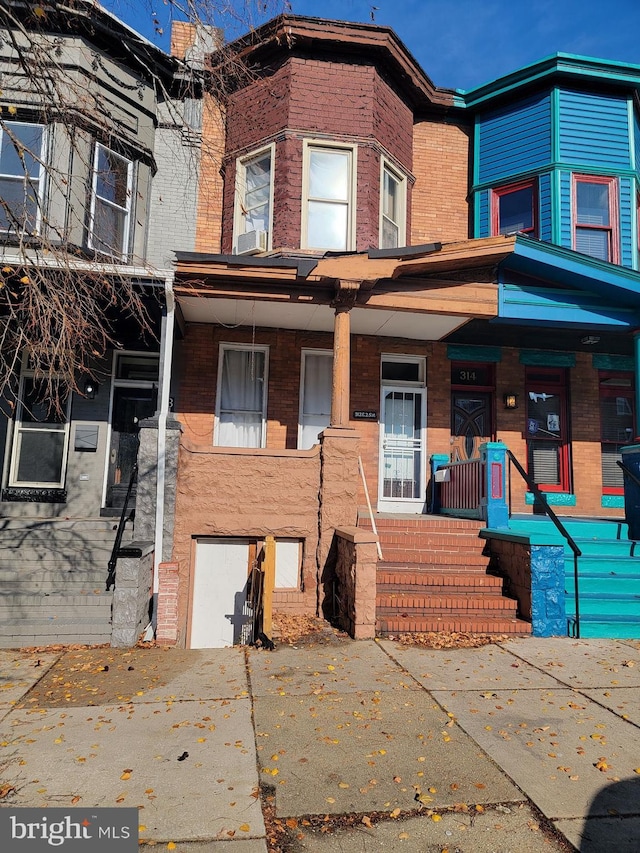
(21,176)
(111,203)
(241,401)
(393,206)
(328,210)
(254,202)
(40,438)
(315,395)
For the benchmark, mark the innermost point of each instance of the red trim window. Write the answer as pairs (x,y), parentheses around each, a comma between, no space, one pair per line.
(547,428)
(515,209)
(616,425)
(595,217)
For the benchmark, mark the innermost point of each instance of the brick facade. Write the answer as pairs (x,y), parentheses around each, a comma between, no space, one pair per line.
(196,402)
(441,158)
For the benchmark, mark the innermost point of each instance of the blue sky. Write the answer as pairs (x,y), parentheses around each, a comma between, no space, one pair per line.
(459,43)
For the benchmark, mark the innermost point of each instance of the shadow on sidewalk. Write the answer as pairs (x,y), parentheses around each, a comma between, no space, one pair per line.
(613,822)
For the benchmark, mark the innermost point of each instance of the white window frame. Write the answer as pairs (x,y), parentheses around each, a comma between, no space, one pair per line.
(117,252)
(387,168)
(327,353)
(39,181)
(26,374)
(309,146)
(239,218)
(420,360)
(245,348)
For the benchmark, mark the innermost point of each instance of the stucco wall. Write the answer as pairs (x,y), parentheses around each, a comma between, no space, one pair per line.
(238,493)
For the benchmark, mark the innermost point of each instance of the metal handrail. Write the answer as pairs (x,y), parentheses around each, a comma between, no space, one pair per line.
(111,565)
(626,470)
(539,496)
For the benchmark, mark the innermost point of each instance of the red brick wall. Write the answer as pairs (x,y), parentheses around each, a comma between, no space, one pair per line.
(316,99)
(196,401)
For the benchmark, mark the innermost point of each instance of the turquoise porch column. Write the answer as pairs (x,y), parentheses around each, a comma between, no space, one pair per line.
(495,511)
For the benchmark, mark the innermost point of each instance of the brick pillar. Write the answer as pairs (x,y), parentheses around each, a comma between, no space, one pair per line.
(167,624)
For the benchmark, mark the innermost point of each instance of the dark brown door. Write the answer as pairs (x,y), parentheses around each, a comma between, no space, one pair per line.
(471,423)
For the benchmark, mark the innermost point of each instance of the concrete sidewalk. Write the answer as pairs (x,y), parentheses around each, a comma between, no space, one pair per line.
(522,746)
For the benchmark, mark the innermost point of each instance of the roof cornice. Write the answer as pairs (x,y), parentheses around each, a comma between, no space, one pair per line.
(288,32)
(558,67)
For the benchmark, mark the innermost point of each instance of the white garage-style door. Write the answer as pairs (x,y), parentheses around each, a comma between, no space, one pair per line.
(220,614)
(219,593)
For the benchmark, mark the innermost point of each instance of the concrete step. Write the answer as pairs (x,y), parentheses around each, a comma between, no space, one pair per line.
(89,572)
(599,563)
(603,582)
(599,603)
(464,623)
(611,626)
(54,628)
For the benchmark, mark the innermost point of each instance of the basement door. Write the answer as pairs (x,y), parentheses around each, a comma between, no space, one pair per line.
(402,449)
(219,596)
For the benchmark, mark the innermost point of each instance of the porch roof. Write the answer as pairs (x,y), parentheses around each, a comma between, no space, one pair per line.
(418,292)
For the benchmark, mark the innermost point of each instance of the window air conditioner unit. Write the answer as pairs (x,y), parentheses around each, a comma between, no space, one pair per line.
(252,242)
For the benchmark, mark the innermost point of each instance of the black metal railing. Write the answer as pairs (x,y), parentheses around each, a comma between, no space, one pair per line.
(626,470)
(111,565)
(542,502)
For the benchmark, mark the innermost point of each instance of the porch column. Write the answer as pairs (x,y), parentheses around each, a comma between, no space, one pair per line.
(345,299)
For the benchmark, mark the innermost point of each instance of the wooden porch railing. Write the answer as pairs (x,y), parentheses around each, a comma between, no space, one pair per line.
(462,488)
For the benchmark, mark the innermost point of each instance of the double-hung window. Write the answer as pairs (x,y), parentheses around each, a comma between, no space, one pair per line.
(40,438)
(111,203)
(514,209)
(393,205)
(254,201)
(328,211)
(21,176)
(241,401)
(595,217)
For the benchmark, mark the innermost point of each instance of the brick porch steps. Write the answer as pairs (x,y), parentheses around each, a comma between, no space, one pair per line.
(472,624)
(433,577)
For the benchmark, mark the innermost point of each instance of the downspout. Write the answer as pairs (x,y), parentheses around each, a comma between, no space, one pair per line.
(166,359)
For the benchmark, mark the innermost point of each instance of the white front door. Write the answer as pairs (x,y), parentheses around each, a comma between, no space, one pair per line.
(402,449)
(218,611)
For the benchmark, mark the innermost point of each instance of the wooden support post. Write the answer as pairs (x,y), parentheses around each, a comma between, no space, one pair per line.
(269,569)
(341,367)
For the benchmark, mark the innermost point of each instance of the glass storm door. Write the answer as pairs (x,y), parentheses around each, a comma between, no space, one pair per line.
(402,450)
(470,423)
